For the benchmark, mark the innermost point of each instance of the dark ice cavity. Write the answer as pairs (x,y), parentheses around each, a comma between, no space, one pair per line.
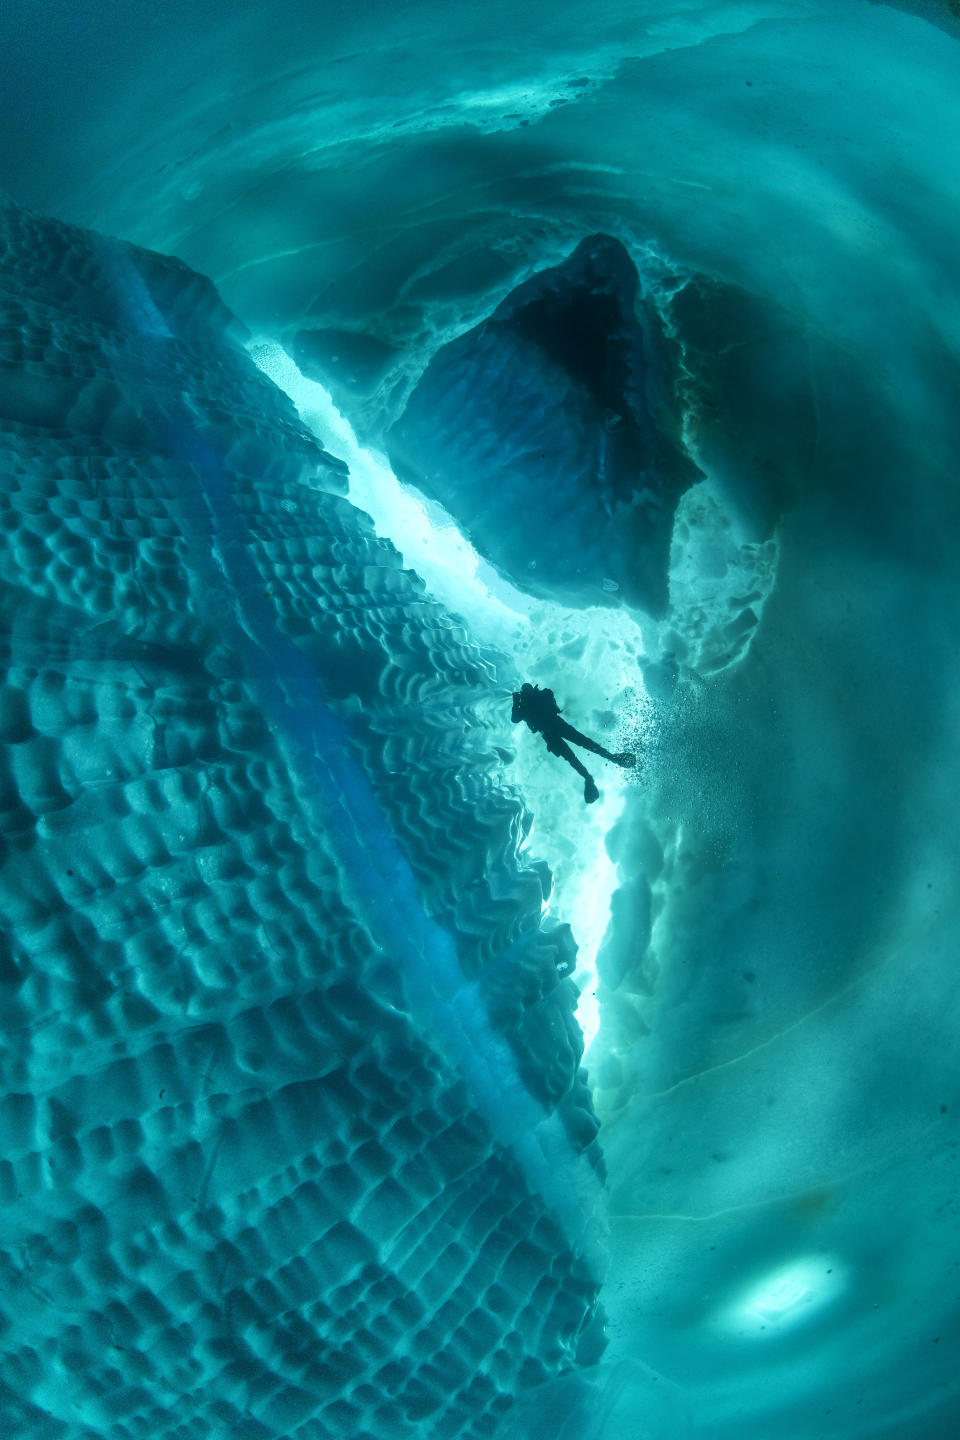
(551,432)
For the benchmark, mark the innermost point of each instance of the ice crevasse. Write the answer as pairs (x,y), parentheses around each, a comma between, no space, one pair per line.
(357,1080)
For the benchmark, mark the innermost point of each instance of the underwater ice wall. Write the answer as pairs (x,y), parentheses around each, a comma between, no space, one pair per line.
(562,395)
(776,1065)
(293,1137)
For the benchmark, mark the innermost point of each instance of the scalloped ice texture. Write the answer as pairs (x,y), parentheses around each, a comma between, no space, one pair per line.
(559,407)
(295,1141)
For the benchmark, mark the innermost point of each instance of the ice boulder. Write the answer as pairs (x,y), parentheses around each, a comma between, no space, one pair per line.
(294,1135)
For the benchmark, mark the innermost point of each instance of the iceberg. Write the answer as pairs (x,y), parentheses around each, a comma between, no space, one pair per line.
(356,365)
(292,1085)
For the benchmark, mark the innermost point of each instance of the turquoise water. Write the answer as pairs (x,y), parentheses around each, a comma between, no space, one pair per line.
(301,1104)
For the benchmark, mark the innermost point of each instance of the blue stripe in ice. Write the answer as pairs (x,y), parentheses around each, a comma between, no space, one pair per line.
(343,805)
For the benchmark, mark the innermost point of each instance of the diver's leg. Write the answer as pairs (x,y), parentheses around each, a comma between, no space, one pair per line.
(557,747)
(625,757)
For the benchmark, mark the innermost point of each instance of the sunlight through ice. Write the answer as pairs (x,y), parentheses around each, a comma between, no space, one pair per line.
(786,1298)
(428,540)
(567,835)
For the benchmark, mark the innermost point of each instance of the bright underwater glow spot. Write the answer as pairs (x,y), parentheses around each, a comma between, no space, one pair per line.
(569,837)
(785,1298)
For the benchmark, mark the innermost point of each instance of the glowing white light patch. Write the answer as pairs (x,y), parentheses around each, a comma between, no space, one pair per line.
(429,542)
(785,1298)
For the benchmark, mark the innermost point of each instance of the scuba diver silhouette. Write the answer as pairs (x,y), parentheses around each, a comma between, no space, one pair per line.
(538,709)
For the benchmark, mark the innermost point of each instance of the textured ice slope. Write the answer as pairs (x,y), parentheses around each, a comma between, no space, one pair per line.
(293,1137)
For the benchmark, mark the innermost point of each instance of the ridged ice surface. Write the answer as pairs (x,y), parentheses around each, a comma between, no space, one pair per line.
(294,1141)
(562,408)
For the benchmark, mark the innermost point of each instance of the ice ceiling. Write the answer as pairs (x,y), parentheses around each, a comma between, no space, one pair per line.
(767,917)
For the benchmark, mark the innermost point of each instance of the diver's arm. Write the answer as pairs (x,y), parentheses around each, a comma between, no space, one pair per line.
(515,715)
